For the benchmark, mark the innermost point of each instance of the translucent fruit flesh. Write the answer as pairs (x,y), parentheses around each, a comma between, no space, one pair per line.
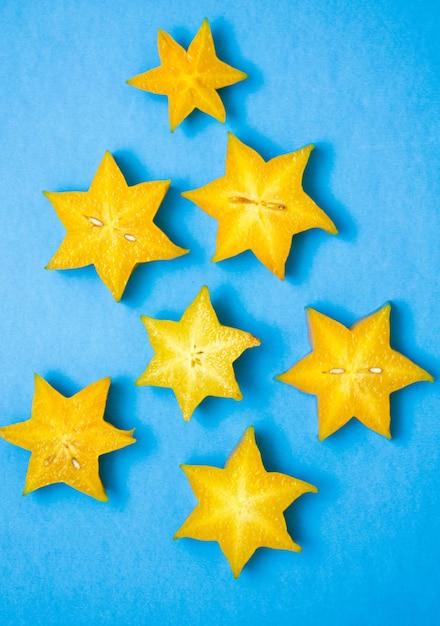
(194,356)
(353,371)
(260,205)
(241,506)
(111,226)
(66,436)
(190,78)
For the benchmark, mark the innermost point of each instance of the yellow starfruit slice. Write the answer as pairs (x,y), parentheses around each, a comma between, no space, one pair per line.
(241,506)
(190,78)
(66,435)
(194,356)
(353,371)
(111,226)
(260,205)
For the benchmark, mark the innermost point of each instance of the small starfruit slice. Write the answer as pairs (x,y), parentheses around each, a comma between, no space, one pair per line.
(66,436)
(111,226)
(194,356)
(353,371)
(241,506)
(260,205)
(190,78)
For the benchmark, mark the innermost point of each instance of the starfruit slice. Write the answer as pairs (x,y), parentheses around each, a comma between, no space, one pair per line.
(260,205)
(194,356)
(190,78)
(66,436)
(353,371)
(241,506)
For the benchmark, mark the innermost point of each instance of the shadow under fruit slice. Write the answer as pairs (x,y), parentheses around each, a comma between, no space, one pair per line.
(260,205)
(190,78)
(194,356)
(66,436)
(241,506)
(353,371)
(111,226)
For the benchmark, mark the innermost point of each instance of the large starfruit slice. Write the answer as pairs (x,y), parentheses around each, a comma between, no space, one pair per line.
(111,226)
(260,205)
(353,371)
(241,506)
(194,356)
(66,436)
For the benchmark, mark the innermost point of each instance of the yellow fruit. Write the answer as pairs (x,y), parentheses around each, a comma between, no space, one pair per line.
(66,436)
(260,205)
(194,356)
(241,506)
(190,78)
(353,371)
(111,226)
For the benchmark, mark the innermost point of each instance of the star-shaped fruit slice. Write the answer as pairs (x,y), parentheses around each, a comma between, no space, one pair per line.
(190,78)
(66,436)
(241,506)
(194,356)
(260,205)
(353,371)
(111,226)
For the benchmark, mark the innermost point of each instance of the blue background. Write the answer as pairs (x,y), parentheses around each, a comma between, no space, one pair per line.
(361,81)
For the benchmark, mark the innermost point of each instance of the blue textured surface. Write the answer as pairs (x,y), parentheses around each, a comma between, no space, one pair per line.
(361,81)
